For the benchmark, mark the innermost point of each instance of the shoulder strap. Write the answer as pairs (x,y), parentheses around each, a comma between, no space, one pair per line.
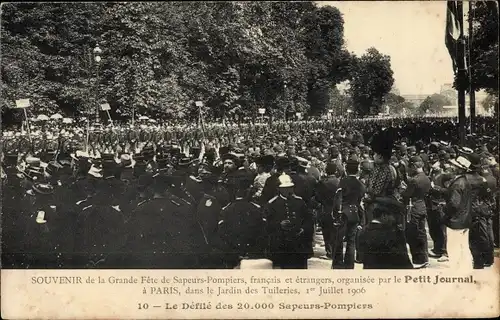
(258,206)
(227,206)
(273,199)
(458,177)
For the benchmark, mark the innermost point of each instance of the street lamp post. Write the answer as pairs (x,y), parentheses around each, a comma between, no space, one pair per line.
(97,59)
(285,98)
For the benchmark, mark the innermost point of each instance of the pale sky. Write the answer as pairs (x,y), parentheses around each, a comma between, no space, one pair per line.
(411,33)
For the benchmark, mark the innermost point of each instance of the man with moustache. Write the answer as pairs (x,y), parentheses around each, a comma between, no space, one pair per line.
(232,167)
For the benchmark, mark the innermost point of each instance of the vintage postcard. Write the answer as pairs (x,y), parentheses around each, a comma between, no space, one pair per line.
(249,160)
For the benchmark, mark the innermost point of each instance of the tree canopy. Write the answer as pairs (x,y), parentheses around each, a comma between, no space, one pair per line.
(484,41)
(434,104)
(397,104)
(159,58)
(371,79)
(490,103)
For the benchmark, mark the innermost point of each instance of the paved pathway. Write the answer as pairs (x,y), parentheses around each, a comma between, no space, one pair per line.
(319,261)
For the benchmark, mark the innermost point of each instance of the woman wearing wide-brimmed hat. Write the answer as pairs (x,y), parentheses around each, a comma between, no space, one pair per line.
(384,179)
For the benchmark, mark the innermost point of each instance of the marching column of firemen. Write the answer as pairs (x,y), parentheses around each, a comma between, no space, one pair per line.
(131,200)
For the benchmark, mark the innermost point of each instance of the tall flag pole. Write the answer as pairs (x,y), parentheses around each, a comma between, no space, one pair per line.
(455,42)
(472,89)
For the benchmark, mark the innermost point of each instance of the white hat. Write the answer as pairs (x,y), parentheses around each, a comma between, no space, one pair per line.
(96,172)
(460,162)
(32,160)
(126,158)
(285,181)
(467,150)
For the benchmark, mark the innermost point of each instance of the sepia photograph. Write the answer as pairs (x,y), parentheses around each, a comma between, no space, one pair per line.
(324,135)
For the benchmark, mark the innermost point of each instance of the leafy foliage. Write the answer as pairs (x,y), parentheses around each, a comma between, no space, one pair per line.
(396,103)
(434,104)
(339,102)
(372,78)
(490,103)
(484,55)
(158,59)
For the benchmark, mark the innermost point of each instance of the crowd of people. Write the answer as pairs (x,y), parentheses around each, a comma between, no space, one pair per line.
(154,196)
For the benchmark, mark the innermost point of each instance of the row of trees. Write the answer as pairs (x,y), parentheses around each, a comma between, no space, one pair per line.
(483,52)
(159,58)
(483,39)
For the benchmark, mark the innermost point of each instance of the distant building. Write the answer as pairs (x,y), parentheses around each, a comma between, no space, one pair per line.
(416,99)
(448,91)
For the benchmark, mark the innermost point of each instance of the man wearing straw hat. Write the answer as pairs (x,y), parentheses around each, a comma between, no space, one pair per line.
(458,215)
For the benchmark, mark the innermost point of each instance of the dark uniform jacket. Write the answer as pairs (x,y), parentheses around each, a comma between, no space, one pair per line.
(159,234)
(294,236)
(481,194)
(270,188)
(305,186)
(243,228)
(326,190)
(417,190)
(458,204)
(352,193)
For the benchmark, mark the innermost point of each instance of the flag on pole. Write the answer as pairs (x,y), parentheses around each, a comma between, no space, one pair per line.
(454,31)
